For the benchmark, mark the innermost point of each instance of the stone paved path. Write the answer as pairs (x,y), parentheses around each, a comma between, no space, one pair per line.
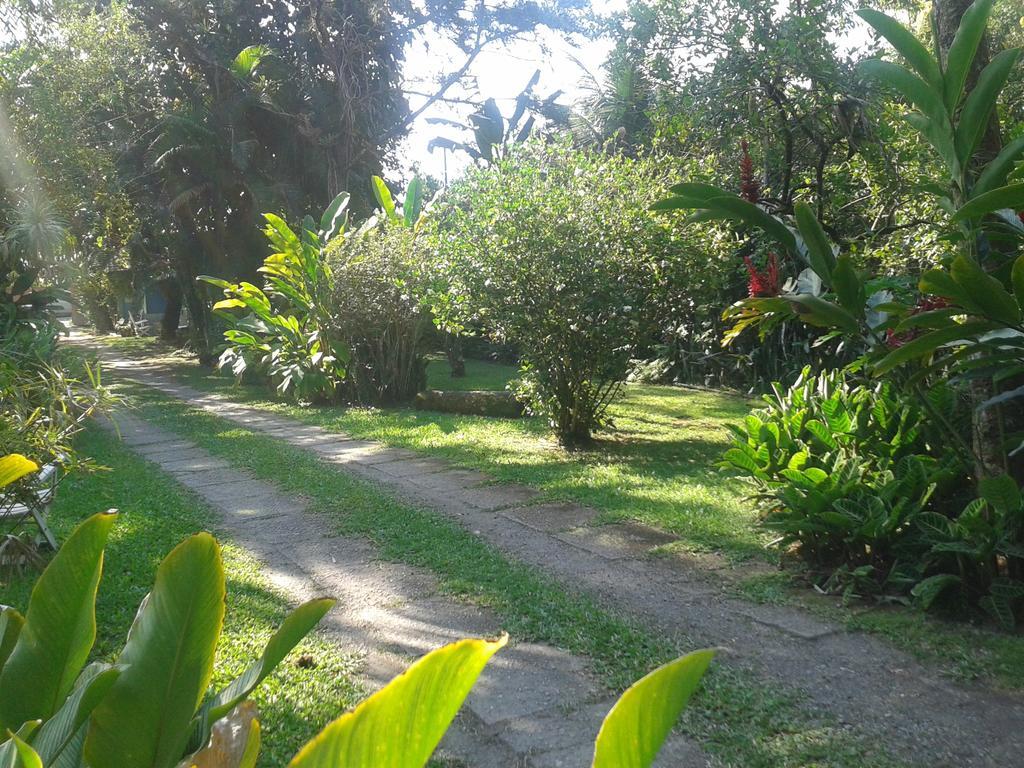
(534,706)
(860,680)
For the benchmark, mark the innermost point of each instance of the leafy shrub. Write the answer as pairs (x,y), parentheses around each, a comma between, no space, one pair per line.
(285,332)
(376,297)
(551,249)
(843,471)
(152,710)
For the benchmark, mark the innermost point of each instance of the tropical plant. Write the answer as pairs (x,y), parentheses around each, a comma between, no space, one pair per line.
(965,315)
(152,706)
(377,291)
(551,251)
(287,330)
(844,470)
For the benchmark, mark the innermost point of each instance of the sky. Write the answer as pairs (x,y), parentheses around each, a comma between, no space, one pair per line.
(500,73)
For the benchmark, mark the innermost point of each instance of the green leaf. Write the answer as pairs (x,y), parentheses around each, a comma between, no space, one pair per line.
(11,623)
(822,313)
(927,344)
(401,725)
(1010,196)
(738,209)
(384,198)
(249,58)
(985,291)
(13,467)
(905,43)
(413,203)
(848,286)
(1017,278)
(819,250)
(635,728)
(962,50)
(977,109)
(168,660)
(928,591)
(296,626)
(911,87)
(1001,492)
(60,628)
(27,757)
(335,217)
(58,732)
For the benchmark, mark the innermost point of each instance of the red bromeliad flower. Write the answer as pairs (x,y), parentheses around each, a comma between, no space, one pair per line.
(763,283)
(1020,215)
(924,304)
(750,187)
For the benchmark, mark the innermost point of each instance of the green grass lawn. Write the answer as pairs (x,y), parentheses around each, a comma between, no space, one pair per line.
(656,465)
(155,515)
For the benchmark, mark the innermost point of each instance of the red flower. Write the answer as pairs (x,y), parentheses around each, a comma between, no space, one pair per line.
(750,187)
(924,304)
(764,283)
(1020,215)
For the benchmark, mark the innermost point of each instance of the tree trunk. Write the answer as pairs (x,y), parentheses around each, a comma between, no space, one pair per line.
(456,360)
(171,290)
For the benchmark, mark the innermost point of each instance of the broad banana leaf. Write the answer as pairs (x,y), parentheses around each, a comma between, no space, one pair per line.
(401,725)
(145,721)
(59,630)
(13,467)
(638,724)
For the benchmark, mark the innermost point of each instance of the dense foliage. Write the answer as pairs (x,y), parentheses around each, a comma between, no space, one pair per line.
(552,250)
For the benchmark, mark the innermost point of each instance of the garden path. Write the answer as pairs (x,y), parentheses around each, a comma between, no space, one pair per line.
(534,706)
(861,681)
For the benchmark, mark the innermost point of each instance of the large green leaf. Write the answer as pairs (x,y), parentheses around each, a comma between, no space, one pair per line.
(822,313)
(738,209)
(640,721)
(962,50)
(819,249)
(980,103)
(296,626)
(679,203)
(698,191)
(401,725)
(60,627)
(384,198)
(59,731)
(413,203)
(929,342)
(11,623)
(996,172)
(249,58)
(13,467)
(335,217)
(1017,278)
(1010,196)
(168,660)
(911,87)
(985,291)
(848,286)
(906,44)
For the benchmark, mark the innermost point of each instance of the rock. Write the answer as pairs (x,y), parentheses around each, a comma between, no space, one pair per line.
(471,402)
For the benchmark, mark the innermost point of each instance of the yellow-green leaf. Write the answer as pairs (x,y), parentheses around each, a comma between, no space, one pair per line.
(145,721)
(59,629)
(401,725)
(13,467)
(640,721)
